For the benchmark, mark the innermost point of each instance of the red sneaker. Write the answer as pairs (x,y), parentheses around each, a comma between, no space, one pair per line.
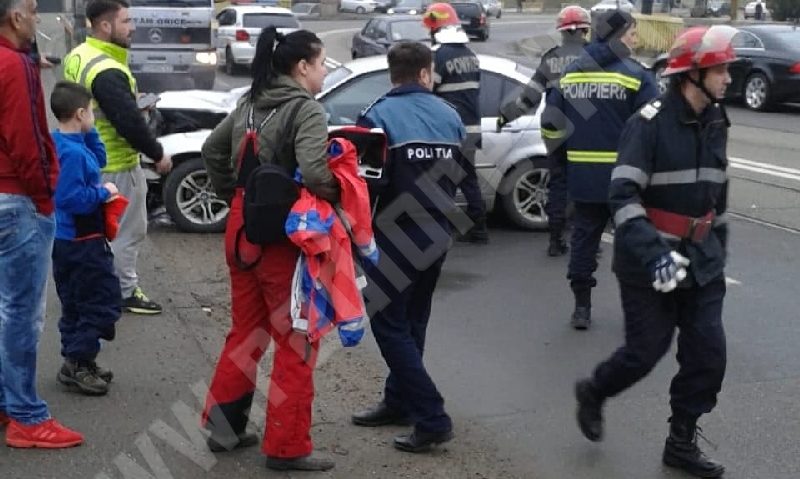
(3,419)
(49,435)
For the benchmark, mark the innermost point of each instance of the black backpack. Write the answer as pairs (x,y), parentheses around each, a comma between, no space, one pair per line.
(269,189)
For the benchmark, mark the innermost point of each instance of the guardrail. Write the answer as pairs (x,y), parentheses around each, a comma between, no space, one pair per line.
(657,32)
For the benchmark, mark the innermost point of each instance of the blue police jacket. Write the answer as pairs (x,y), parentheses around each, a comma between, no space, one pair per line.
(586,115)
(672,159)
(457,80)
(423,134)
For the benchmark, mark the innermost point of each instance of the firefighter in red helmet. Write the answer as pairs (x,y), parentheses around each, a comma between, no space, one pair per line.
(457,79)
(573,22)
(668,195)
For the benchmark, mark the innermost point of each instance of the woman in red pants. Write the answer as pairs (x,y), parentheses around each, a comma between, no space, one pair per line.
(288,128)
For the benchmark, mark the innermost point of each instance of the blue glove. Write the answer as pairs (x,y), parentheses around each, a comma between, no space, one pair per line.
(668,271)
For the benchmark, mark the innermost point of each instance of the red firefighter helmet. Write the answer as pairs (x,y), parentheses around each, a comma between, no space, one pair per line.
(573,17)
(440,15)
(701,47)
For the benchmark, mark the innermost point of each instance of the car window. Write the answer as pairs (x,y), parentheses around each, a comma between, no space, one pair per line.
(264,20)
(226,18)
(746,40)
(345,104)
(789,39)
(369,29)
(497,90)
(467,10)
(408,30)
(380,29)
(335,76)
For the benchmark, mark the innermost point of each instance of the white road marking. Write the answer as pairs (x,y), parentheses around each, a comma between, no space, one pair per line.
(765,168)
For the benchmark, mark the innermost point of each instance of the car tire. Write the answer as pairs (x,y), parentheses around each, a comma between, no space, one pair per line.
(483,36)
(230,64)
(757,92)
(523,194)
(190,200)
(354,55)
(360,10)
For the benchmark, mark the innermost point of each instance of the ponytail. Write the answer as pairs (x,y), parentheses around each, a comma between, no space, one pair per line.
(276,54)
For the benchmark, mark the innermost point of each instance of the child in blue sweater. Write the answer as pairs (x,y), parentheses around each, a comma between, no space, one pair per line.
(83,265)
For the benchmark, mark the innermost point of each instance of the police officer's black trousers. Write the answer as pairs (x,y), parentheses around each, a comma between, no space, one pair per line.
(588,224)
(470,187)
(650,321)
(399,306)
(90,296)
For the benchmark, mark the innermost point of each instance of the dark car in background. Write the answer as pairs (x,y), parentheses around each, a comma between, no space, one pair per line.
(767,69)
(473,19)
(410,7)
(382,31)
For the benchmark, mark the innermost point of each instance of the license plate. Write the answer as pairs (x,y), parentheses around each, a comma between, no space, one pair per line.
(156,68)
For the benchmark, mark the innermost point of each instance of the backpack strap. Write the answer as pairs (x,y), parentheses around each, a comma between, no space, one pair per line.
(251,138)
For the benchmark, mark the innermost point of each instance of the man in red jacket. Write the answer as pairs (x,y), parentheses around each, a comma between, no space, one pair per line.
(28,173)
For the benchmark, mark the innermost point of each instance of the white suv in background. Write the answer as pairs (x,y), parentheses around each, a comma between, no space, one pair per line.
(239,28)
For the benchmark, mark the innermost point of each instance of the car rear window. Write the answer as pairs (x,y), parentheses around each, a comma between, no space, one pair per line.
(264,20)
(408,30)
(467,9)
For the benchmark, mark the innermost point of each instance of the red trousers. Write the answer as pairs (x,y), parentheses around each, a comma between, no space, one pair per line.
(260,300)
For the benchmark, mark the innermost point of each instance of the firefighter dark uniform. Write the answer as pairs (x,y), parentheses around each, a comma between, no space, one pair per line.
(412,231)
(582,125)
(573,22)
(457,80)
(668,195)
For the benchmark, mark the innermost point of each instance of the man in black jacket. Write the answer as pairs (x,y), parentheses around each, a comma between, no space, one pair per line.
(101,65)
(668,195)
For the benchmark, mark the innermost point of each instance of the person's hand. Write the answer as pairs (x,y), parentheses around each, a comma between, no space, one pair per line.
(112,189)
(501,122)
(668,271)
(164,165)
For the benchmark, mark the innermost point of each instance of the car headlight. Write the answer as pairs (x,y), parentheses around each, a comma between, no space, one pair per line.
(391,10)
(206,58)
(413,12)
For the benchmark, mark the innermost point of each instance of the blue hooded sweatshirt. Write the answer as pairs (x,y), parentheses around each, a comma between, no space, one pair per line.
(79,192)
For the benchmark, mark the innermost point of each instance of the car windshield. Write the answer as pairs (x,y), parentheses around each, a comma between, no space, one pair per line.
(335,77)
(467,9)
(264,20)
(409,30)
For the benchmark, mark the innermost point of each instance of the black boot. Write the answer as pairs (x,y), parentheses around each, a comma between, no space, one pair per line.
(478,234)
(681,450)
(230,442)
(558,246)
(380,415)
(311,462)
(582,316)
(590,410)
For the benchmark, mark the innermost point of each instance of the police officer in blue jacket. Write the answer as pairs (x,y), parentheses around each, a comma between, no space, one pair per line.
(668,195)
(457,79)
(581,126)
(414,212)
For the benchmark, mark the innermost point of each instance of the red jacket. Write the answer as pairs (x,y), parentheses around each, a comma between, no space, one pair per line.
(28,162)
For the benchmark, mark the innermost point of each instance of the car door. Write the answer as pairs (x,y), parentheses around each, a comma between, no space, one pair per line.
(380,39)
(362,40)
(226,20)
(748,47)
(495,89)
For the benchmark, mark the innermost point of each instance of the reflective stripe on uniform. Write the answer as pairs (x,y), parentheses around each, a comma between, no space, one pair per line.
(628,172)
(626,81)
(629,212)
(591,156)
(461,86)
(473,128)
(553,134)
(680,177)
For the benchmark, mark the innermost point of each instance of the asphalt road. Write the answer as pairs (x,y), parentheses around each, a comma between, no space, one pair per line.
(499,347)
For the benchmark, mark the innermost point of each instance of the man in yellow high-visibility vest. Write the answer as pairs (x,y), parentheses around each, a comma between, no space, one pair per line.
(101,65)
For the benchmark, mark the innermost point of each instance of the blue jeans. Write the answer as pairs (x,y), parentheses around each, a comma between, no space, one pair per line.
(26,241)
